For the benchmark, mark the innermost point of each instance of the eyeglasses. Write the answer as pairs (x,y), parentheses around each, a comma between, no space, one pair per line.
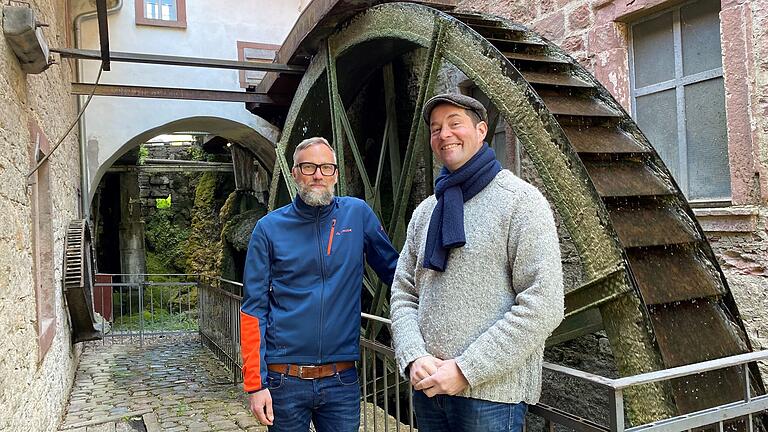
(309,168)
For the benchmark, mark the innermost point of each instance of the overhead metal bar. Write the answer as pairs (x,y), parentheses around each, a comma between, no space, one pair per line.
(170,93)
(224,167)
(84,54)
(101,12)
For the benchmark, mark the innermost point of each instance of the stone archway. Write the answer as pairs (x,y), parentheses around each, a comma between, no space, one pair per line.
(259,142)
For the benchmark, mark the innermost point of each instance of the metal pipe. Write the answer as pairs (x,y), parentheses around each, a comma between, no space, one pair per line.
(85,178)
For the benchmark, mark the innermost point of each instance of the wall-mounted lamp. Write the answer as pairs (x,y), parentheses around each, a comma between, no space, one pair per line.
(24,34)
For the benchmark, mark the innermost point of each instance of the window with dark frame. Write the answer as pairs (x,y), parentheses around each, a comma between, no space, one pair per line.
(254,52)
(42,243)
(163,13)
(678,96)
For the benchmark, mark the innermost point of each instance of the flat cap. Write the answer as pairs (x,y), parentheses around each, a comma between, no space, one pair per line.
(459,100)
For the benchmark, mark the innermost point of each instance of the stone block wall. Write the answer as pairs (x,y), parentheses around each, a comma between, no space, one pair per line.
(179,185)
(34,389)
(595,33)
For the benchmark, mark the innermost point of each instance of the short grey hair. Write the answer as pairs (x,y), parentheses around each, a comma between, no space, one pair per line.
(309,142)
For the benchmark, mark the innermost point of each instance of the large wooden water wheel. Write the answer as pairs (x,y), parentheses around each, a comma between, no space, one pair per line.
(648,276)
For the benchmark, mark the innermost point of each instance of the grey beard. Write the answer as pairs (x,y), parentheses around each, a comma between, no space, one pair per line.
(315,199)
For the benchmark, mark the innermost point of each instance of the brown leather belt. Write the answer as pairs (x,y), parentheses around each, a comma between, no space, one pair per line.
(311,371)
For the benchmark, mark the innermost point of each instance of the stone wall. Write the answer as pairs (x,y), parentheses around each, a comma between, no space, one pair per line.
(743,257)
(179,185)
(33,390)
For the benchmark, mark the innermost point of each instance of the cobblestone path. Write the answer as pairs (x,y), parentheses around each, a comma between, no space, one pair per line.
(178,379)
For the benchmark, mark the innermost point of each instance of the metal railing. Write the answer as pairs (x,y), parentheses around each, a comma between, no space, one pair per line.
(134,306)
(717,415)
(387,397)
(383,389)
(552,416)
(219,307)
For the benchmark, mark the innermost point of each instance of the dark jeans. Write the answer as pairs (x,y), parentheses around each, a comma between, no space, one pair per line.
(332,403)
(459,414)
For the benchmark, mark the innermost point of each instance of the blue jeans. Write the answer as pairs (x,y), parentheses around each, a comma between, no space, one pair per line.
(332,403)
(459,414)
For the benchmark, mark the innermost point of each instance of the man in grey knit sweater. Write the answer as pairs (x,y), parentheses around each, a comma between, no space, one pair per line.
(478,286)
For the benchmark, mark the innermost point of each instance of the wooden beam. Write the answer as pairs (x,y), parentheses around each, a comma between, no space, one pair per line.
(170,93)
(83,54)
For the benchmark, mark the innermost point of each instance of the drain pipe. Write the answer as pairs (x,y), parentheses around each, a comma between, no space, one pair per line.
(84,175)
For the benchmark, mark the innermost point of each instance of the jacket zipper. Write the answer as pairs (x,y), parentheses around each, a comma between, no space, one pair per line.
(330,237)
(322,289)
(274,319)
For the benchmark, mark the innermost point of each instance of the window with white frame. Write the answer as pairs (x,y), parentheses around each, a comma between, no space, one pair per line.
(165,13)
(160,10)
(678,95)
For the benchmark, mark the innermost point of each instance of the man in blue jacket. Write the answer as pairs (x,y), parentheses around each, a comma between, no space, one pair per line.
(300,316)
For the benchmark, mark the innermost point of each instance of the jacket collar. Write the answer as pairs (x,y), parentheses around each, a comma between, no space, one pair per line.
(311,212)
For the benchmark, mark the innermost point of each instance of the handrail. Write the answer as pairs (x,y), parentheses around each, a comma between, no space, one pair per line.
(661,375)
(240,284)
(694,368)
(386,321)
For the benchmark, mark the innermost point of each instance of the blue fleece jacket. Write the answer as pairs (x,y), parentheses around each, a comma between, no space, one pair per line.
(302,282)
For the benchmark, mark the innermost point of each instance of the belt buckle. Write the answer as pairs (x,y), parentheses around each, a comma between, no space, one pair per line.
(301,370)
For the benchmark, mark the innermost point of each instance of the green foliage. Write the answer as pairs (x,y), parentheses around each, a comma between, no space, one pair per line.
(143,154)
(163,203)
(165,243)
(196,153)
(157,320)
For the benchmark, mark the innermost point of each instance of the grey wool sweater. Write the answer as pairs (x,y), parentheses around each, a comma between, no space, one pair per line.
(499,298)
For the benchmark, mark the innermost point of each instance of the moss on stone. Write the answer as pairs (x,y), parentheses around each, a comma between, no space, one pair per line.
(165,243)
(238,216)
(237,232)
(204,241)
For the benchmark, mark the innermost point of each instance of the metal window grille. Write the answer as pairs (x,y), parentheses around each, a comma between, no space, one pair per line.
(678,96)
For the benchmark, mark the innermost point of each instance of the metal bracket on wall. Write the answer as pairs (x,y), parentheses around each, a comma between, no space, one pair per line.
(25,36)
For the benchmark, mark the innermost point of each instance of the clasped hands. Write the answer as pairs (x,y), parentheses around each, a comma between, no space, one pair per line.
(434,376)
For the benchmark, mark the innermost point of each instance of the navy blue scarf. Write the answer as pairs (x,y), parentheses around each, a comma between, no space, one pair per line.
(452,190)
